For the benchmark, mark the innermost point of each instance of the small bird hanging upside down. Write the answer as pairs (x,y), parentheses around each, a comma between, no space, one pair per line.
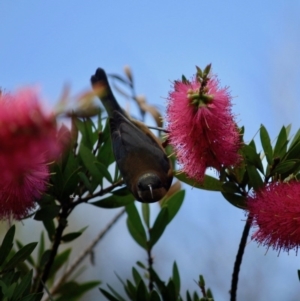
(139,155)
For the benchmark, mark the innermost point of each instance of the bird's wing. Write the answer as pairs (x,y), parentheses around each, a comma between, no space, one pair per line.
(129,139)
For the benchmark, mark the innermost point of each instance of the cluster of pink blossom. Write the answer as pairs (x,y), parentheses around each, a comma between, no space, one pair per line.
(28,144)
(202,132)
(275,210)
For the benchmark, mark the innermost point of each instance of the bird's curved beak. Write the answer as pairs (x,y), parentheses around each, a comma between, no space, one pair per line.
(150,188)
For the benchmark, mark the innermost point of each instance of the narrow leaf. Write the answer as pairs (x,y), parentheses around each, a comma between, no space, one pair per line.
(136,276)
(137,236)
(89,161)
(20,256)
(235,200)
(281,143)
(47,212)
(146,214)
(159,226)
(173,204)
(254,178)
(252,157)
(114,201)
(71,236)
(50,228)
(209,183)
(7,244)
(266,144)
(135,220)
(108,295)
(176,278)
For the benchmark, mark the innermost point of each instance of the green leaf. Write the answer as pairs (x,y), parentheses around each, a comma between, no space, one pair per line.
(159,226)
(130,290)
(266,144)
(141,265)
(286,167)
(75,290)
(47,212)
(89,161)
(141,292)
(296,139)
(41,246)
(188,296)
(176,278)
(22,286)
(70,175)
(10,277)
(146,214)
(196,297)
(50,228)
(136,276)
(293,152)
(32,297)
(20,256)
(171,291)
(105,154)
(44,258)
(136,235)
(120,298)
(29,259)
(71,183)
(135,226)
(85,182)
(255,179)
(71,236)
(173,204)
(7,244)
(235,200)
(154,296)
(56,180)
(103,170)
(288,129)
(230,187)
(281,144)
(108,295)
(119,198)
(89,137)
(252,157)
(160,284)
(209,183)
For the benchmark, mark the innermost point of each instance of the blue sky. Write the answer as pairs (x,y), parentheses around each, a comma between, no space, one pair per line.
(254,48)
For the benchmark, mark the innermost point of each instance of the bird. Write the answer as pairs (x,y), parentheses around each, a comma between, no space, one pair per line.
(142,161)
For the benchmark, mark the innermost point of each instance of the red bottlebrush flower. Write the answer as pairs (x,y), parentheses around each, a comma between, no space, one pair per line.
(201,126)
(275,210)
(28,143)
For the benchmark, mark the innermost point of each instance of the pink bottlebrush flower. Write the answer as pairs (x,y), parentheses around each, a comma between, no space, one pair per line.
(23,120)
(27,144)
(22,185)
(275,210)
(201,126)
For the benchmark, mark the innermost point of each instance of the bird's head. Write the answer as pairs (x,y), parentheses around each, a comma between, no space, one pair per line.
(150,188)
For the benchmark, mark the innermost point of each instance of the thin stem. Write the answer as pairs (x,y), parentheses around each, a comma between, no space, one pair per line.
(62,224)
(238,259)
(99,193)
(150,264)
(83,255)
